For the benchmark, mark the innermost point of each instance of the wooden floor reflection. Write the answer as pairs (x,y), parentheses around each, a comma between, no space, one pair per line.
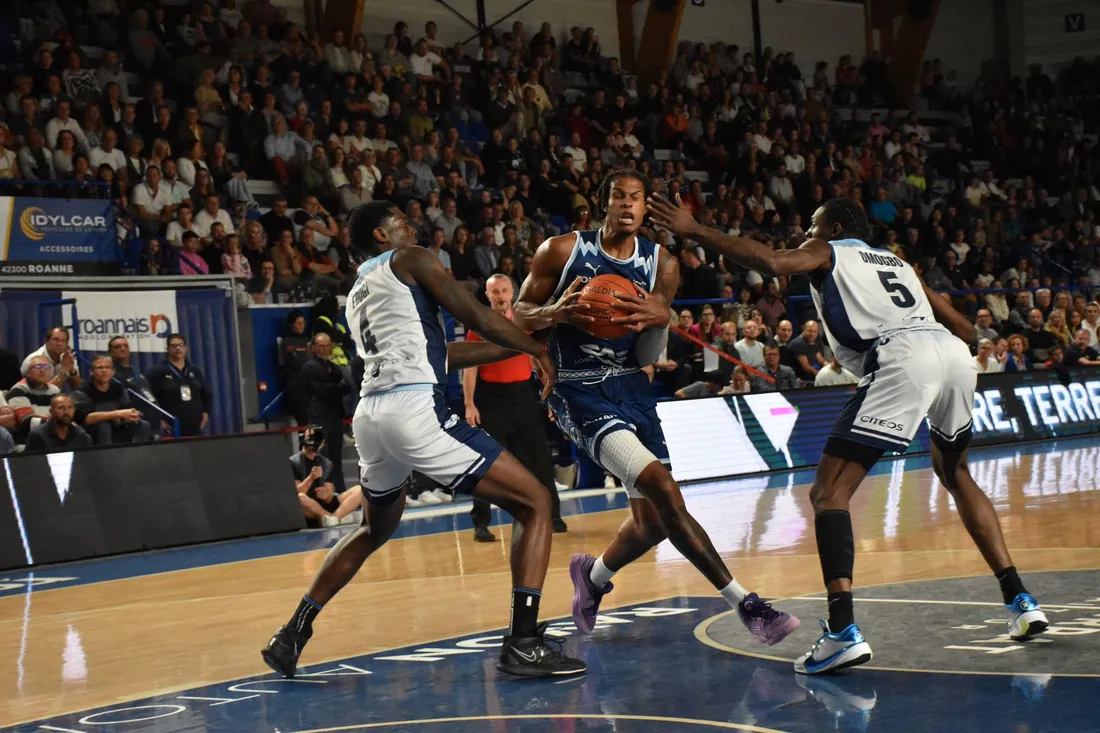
(76,648)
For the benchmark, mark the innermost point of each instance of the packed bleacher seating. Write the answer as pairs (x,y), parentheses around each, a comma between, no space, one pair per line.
(237,142)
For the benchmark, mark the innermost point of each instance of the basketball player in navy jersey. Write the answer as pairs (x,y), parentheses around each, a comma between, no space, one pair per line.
(604,403)
(402,424)
(884,325)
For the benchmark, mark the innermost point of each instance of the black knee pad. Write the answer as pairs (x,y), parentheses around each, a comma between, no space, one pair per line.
(835,544)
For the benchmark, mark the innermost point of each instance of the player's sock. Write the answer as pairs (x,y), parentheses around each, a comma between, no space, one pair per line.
(841,613)
(302,620)
(733,593)
(601,575)
(525,611)
(1011,585)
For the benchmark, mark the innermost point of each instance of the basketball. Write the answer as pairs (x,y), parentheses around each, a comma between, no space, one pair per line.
(599,294)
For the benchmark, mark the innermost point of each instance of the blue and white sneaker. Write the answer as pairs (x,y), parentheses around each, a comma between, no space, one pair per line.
(1025,618)
(834,651)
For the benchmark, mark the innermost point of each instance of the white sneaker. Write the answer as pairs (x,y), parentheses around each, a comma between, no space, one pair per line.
(428,498)
(409,501)
(1025,618)
(329,520)
(834,651)
(609,482)
(443,496)
(354,517)
(561,487)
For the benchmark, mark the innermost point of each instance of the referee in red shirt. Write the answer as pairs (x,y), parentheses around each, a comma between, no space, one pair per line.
(503,400)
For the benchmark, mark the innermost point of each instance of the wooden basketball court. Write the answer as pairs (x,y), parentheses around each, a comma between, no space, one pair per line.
(135,649)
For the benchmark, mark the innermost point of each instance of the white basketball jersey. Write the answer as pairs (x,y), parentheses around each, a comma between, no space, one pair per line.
(398,329)
(869,293)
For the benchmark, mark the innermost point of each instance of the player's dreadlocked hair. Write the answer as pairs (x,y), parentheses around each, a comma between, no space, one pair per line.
(847,213)
(604,198)
(364,219)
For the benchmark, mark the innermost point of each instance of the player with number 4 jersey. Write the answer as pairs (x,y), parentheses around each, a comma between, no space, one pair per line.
(884,325)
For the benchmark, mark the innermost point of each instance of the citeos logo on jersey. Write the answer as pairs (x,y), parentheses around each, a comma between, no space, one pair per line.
(36,223)
(879,422)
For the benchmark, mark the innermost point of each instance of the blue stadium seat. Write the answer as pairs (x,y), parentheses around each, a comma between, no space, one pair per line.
(462,127)
(479,132)
(561,223)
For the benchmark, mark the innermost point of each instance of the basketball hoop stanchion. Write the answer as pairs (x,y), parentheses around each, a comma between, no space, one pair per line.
(700,342)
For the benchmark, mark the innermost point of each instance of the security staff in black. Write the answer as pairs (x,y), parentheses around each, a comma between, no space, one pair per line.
(181,389)
(327,387)
(501,398)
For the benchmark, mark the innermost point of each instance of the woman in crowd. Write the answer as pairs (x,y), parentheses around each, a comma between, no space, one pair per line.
(63,154)
(1056,324)
(1017,360)
(986,361)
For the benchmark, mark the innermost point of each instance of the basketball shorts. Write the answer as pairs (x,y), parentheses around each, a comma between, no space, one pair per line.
(587,412)
(908,376)
(412,429)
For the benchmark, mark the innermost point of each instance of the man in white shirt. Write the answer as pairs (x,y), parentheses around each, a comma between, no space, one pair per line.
(749,348)
(211,213)
(833,375)
(424,62)
(1092,321)
(64,122)
(580,157)
(380,143)
(794,160)
(107,153)
(179,190)
(913,127)
(153,202)
(893,145)
(761,140)
(780,186)
(759,199)
(378,99)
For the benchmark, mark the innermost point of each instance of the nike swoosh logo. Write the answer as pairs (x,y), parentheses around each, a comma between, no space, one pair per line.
(529,657)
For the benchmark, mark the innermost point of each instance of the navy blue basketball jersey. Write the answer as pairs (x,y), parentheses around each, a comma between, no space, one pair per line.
(578,354)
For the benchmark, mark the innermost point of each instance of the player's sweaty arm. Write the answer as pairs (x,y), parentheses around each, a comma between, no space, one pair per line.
(947,315)
(533,311)
(814,254)
(427,271)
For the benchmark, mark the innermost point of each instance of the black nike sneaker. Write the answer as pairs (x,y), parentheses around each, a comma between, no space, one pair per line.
(282,652)
(531,656)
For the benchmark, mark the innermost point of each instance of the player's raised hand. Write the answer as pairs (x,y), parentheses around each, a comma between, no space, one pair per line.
(569,309)
(677,218)
(546,371)
(641,311)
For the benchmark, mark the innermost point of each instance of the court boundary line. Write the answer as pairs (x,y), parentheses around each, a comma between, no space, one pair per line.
(61,567)
(552,716)
(701,635)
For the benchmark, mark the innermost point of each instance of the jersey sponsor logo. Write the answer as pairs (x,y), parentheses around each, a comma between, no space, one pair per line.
(451,422)
(604,354)
(879,422)
(595,268)
(874,258)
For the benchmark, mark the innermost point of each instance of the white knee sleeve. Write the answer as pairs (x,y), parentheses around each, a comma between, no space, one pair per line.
(625,457)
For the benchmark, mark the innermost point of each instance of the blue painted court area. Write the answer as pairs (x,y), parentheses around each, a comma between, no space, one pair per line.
(648,671)
(415,524)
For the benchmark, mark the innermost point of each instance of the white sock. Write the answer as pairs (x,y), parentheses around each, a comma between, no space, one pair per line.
(733,593)
(601,575)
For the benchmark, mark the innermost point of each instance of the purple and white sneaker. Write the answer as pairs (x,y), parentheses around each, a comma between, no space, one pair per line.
(586,596)
(766,624)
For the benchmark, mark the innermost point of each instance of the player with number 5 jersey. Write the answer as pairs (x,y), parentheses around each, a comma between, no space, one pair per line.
(884,325)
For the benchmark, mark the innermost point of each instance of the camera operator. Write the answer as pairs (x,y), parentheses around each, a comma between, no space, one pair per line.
(321,504)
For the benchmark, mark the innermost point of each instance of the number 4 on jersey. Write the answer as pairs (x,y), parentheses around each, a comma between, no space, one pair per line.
(899,294)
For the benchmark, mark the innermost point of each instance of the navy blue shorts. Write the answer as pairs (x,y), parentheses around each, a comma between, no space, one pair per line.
(588,412)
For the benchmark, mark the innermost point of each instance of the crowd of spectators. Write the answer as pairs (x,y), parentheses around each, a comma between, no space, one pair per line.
(51,401)
(491,149)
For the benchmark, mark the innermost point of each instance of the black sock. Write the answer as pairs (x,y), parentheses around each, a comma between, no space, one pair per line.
(1011,585)
(841,613)
(525,611)
(302,620)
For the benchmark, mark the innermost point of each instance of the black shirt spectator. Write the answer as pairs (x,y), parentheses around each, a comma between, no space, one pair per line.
(58,433)
(807,353)
(105,409)
(181,389)
(327,387)
(699,279)
(275,222)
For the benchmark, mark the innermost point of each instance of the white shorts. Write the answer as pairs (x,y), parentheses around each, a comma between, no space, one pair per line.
(910,375)
(411,429)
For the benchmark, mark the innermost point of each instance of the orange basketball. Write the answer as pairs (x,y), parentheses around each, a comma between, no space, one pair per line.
(599,294)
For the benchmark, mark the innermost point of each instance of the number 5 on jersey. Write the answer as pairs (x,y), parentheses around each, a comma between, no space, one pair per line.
(899,294)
